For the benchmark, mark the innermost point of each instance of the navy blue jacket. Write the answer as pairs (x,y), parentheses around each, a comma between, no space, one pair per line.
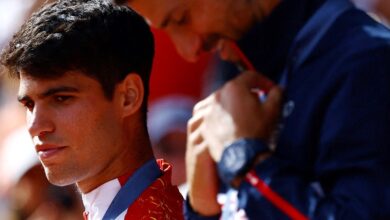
(332,156)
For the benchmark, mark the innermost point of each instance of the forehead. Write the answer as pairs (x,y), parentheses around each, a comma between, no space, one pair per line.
(156,11)
(30,85)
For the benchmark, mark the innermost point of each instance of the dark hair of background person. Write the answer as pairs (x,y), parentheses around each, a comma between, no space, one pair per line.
(102,40)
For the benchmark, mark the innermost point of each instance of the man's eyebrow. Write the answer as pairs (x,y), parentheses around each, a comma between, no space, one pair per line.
(165,21)
(167,18)
(55,90)
(49,92)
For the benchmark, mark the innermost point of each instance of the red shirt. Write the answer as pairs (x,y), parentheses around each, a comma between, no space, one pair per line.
(161,200)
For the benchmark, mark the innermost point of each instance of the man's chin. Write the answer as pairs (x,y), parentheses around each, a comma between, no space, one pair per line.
(58,178)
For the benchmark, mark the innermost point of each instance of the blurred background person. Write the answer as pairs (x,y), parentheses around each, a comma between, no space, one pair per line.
(167,124)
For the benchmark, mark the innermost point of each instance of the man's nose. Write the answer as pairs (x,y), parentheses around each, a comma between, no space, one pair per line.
(38,122)
(189,46)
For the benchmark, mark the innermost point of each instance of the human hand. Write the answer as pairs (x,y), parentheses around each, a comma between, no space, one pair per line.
(202,177)
(234,112)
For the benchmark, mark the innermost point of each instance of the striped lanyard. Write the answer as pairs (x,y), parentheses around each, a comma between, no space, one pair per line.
(138,183)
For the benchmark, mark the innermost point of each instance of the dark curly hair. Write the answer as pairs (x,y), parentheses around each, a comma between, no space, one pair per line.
(120,2)
(100,39)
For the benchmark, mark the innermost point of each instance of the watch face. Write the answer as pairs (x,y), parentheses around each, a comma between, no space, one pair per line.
(238,157)
(234,158)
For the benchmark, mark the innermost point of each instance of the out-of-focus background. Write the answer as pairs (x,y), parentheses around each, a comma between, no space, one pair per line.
(176,86)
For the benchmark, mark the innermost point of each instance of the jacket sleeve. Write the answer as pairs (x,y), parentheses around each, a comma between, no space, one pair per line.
(350,173)
(190,214)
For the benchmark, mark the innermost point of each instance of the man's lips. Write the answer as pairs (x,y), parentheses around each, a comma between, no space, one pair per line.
(48,150)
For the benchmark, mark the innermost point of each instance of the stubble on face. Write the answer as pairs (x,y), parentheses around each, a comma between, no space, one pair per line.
(96,146)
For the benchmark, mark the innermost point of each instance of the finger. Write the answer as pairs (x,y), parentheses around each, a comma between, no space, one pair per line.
(197,151)
(255,80)
(194,138)
(197,118)
(195,121)
(273,103)
(215,145)
(204,103)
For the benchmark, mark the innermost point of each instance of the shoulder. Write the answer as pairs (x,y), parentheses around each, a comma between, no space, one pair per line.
(356,32)
(355,45)
(161,200)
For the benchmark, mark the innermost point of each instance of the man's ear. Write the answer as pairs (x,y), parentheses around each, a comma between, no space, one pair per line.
(131,94)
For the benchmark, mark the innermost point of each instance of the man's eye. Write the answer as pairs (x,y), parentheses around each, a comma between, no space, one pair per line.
(29,105)
(62,98)
(182,19)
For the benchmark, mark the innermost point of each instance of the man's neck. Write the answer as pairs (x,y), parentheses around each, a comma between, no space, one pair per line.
(135,153)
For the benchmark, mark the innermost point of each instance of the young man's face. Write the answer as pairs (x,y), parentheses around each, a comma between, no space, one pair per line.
(75,128)
(196,25)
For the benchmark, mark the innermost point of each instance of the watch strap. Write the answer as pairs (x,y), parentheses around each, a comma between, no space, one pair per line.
(238,158)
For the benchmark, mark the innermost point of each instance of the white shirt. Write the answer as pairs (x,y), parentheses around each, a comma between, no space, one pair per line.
(98,200)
